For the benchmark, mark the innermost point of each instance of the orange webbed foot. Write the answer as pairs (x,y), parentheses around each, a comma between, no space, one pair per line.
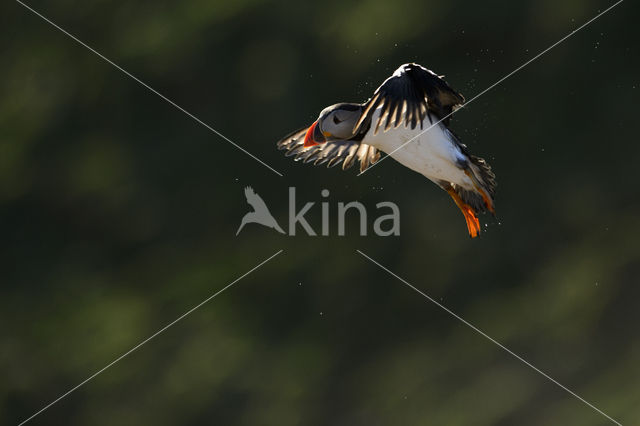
(473,224)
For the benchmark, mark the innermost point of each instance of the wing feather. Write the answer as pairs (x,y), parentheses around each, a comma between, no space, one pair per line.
(345,152)
(254,200)
(410,93)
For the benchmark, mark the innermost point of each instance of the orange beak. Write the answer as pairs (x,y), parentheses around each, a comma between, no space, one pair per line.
(314,136)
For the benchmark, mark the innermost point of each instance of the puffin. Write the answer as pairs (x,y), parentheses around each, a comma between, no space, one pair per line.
(407,118)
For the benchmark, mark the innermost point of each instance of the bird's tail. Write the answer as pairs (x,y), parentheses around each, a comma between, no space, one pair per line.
(277,227)
(480,199)
(484,182)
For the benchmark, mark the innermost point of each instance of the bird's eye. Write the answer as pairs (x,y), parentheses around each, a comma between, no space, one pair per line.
(336,120)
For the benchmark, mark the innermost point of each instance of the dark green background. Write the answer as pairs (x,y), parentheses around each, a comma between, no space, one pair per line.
(118,213)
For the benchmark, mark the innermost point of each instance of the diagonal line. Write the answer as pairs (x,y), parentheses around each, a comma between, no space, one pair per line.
(149,338)
(150,88)
(482,333)
(494,84)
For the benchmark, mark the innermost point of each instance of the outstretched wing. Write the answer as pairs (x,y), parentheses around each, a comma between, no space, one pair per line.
(407,96)
(344,152)
(254,199)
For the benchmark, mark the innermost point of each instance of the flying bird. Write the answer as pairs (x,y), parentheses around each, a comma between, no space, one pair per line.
(260,213)
(408,118)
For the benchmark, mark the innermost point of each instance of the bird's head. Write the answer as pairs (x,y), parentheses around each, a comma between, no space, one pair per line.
(334,123)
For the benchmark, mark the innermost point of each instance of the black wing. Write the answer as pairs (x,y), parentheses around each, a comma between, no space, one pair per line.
(333,153)
(407,96)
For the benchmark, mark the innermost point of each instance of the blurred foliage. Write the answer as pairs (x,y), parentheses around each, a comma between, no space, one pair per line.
(118,214)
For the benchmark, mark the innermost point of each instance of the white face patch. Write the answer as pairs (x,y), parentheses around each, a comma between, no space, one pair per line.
(340,123)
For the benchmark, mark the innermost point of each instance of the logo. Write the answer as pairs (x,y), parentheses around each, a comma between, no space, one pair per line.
(260,213)
(386,223)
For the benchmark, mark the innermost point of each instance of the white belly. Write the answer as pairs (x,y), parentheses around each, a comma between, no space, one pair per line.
(433,154)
